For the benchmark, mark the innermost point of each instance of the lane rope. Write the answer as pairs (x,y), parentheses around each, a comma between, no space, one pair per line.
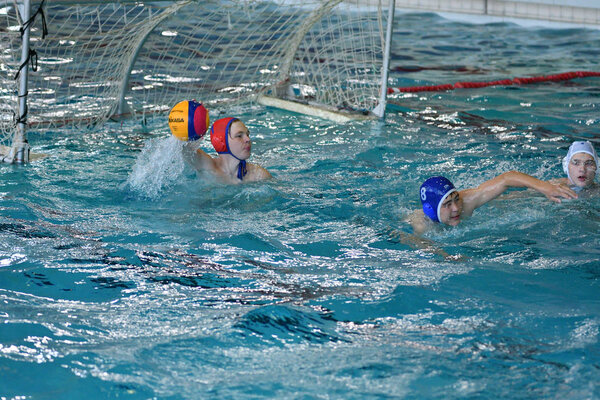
(565,76)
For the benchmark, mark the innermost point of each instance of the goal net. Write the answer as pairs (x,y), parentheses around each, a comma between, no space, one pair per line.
(112,59)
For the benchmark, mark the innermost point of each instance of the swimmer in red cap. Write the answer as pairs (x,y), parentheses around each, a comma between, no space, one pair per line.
(231,139)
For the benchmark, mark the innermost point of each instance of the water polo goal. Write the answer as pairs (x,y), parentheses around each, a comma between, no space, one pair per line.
(80,63)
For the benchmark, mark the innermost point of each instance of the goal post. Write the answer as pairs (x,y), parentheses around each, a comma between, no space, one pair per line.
(125,58)
(19,151)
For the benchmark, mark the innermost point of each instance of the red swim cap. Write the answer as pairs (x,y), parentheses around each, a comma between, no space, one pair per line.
(219,134)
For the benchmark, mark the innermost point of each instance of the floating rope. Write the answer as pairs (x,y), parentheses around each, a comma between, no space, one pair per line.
(31,57)
(30,21)
(505,82)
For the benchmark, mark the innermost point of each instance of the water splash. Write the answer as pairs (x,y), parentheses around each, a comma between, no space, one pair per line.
(159,166)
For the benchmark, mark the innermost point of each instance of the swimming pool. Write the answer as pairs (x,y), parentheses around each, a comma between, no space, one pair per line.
(124,275)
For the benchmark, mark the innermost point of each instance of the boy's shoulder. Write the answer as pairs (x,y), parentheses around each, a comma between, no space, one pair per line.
(419,221)
(256,173)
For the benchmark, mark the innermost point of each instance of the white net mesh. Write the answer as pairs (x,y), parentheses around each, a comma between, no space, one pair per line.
(10,55)
(155,54)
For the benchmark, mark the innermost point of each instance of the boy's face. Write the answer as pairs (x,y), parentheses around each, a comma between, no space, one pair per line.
(451,209)
(582,169)
(239,140)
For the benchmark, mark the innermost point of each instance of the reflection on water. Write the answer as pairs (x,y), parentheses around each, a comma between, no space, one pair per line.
(124,271)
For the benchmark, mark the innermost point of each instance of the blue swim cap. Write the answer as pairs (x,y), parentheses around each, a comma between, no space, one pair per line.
(433,193)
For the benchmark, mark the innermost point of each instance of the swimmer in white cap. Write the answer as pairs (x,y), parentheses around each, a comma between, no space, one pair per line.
(231,139)
(443,204)
(580,165)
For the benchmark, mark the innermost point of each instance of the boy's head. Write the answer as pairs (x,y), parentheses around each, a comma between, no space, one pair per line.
(441,202)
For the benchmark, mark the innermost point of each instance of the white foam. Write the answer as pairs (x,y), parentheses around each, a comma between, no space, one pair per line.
(159,166)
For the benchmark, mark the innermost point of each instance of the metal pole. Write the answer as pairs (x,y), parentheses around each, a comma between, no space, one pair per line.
(380,109)
(20,145)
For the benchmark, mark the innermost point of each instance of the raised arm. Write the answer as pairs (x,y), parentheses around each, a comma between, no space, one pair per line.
(198,158)
(489,190)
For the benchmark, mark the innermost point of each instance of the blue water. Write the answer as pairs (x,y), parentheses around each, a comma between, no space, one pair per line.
(125,275)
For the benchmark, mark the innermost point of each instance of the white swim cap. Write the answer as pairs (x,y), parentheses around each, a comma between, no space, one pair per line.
(578,147)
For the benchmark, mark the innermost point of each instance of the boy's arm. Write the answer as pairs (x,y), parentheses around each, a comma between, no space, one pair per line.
(489,190)
(197,158)
(421,243)
(417,221)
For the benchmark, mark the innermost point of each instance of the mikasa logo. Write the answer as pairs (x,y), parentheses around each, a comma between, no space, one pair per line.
(176,120)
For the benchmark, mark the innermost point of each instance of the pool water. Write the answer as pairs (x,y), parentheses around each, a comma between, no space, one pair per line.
(124,274)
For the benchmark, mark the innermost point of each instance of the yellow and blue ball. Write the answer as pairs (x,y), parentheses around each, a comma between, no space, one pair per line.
(188,120)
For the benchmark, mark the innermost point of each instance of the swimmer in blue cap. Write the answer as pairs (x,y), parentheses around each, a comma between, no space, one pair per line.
(231,139)
(580,165)
(442,203)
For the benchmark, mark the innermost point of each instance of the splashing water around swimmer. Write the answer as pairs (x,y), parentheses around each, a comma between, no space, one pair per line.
(158,167)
